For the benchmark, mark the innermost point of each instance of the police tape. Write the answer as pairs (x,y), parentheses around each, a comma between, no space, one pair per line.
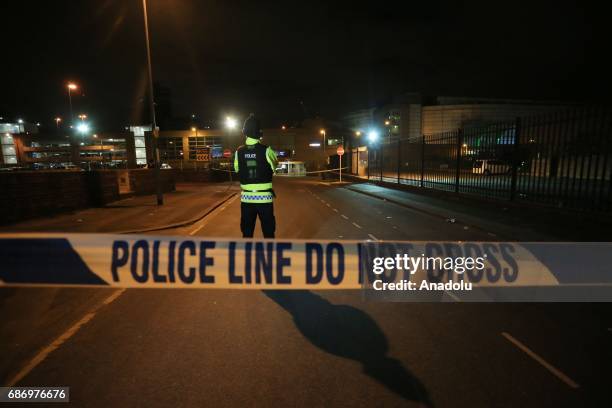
(306,172)
(326,171)
(143,261)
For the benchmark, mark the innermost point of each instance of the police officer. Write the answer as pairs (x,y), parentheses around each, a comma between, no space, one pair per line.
(255,164)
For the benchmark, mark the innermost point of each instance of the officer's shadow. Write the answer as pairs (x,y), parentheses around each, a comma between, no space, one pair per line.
(348,332)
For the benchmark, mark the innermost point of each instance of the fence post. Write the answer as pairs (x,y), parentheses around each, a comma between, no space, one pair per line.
(399,157)
(458,166)
(380,162)
(517,135)
(422,160)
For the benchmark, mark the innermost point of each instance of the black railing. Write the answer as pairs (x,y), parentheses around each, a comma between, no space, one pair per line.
(563,159)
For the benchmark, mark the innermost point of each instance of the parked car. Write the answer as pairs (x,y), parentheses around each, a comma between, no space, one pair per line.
(490,167)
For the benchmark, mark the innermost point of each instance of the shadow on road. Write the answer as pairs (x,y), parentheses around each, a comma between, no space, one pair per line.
(348,332)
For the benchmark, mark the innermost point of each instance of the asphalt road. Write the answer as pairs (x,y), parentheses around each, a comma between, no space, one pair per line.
(159,348)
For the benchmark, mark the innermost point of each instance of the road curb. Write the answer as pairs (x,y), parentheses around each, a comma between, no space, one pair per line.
(181,223)
(428,212)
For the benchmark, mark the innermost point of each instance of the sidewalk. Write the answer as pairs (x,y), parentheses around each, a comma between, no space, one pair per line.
(512,223)
(189,202)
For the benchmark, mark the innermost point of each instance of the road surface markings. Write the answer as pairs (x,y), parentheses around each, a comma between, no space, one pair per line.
(491,234)
(357,225)
(344,216)
(206,219)
(335,209)
(556,372)
(328,204)
(372,237)
(452,296)
(55,344)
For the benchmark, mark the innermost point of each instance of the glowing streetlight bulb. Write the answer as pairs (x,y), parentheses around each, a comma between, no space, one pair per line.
(230,123)
(72,86)
(373,136)
(83,128)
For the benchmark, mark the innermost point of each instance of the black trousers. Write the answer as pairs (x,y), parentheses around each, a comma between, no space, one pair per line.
(248,216)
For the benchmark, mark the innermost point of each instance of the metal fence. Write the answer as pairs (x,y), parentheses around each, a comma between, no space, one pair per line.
(563,159)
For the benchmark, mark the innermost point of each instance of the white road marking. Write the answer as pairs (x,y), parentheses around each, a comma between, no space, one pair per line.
(373,237)
(389,217)
(344,216)
(113,297)
(452,295)
(556,372)
(491,234)
(55,344)
(211,215)
(357,225)
(328,204)
(335,209)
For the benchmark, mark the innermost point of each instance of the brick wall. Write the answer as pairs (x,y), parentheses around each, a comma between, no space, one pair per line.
(142,181)
(29,194)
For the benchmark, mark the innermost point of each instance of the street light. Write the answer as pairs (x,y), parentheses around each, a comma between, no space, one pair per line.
(83,128)
(358,133)
(71,87)
(322,131)
(160,195)
(373,136)
(82,116)
(230,123)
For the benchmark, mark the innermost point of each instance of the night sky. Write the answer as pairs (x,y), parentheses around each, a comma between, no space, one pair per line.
(289,60)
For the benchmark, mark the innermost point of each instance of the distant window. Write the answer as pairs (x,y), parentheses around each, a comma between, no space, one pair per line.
(7,147)
(200,142)
(170,148)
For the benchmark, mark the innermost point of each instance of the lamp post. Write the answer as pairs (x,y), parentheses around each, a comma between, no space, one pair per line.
(195,162)
(230,124)
(57,122)
(387,125)
(322,131)
(71,87)
(160,196)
